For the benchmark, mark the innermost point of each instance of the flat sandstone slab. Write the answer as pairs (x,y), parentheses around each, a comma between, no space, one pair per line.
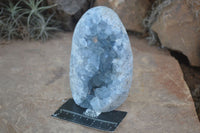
(34,82)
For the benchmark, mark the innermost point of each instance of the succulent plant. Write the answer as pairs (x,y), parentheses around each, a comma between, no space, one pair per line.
(26,19)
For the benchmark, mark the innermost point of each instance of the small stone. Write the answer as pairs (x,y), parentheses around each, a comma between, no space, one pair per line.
(91,113)
(131,12)
(68,12)
(178,28)
(101,62)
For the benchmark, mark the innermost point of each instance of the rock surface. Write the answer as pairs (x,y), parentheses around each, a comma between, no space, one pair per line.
(178,29)
(101,62)
(70,11)
(152,1)
(131,12)
(34,82)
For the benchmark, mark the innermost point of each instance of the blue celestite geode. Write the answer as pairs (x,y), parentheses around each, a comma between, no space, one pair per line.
(101,62)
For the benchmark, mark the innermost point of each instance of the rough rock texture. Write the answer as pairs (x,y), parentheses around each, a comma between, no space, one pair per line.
(131,12)
(178,29)
(101,61)
(34,81)
(152,1)
(69,11)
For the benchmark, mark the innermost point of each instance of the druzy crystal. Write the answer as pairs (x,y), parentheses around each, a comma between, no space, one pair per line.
(101,61)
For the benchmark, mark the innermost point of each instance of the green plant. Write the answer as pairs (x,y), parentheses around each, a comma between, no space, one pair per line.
(1,23)
(26,19)
(34,9)
(10,20)
(41,29)
(13,12)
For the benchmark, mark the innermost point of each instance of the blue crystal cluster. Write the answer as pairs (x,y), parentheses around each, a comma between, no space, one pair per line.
(101,61)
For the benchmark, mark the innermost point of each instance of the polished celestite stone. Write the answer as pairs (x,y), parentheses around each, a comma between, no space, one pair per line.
(101,62)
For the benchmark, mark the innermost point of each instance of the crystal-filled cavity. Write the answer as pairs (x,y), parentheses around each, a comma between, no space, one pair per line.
(101,62)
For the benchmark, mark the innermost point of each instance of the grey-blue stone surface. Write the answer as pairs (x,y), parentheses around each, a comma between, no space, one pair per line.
(101,62)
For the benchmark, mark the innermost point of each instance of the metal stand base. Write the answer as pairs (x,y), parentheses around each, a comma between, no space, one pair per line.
(105,121)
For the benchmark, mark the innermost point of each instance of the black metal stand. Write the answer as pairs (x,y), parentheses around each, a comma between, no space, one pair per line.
(105,121)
